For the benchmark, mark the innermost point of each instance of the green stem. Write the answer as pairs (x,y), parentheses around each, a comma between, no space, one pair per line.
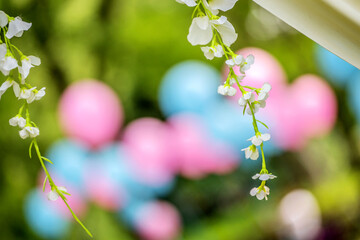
(263,157)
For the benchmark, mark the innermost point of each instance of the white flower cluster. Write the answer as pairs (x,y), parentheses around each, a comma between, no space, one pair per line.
(216,34)
(262,191)
(53,194)
(12,59)
(248,98)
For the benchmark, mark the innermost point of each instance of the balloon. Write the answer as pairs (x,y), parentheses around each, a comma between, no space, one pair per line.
(103,179)
(90,112)
(128,214)
(354,96)
(43,218)
(69,159)
(157,221)
(197,153)
(149,144)
(188,87)
(308,108)
(334,68)
(76,201)
(265,69)
(112,183)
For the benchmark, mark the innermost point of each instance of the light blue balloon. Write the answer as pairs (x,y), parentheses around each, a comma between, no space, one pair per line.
(354,96)
(129,213)
(188,87)
(44,220)
(334,68)
(115,161)
(69,160)
(226,122)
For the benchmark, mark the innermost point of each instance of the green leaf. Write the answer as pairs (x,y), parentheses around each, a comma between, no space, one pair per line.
(45,180)
(46,159)
(263,124)
(30,148)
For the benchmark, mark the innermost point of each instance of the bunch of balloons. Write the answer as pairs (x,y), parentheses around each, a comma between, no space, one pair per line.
(127,170)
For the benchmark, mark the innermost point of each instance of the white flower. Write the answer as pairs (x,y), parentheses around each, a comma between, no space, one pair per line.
(263,176)
(226,90)
(190,3)
(215,5)
(17,28)
(211,52)
(53,195)
(26,64)
(245,65)
(238,60)
(251,152)
(27,94)
(264,92)
(201,30)
(247,97)
(255,108)
(3,19)
(29,132)
(257,140)
(17,121)
(7,84)
(40,94)
(7,64)
(3,50)
(260,193)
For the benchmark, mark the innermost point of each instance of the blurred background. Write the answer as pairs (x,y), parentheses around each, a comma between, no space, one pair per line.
(139,136)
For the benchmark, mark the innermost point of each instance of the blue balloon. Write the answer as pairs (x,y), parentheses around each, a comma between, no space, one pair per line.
(69,160)
(334,68)
(354,96)
(129,214)
(115,161)
(189,87)
(44,219)
(226,122)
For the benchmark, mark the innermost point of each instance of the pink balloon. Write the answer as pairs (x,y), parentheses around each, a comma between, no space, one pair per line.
(90,112)
(104,191)
(265,69)
(158,221)
(197,153)
(306,109)
(149,144)
(318,102)
(76,201)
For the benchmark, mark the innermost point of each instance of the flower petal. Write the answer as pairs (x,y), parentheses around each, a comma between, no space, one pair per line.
(264,177)
(52,195)
(256,176)
(265,137)
(3,19)
(35,60)
(3,50)
(260,195)
(227,33)
(222,5)
(255,155)
(256,141)
(198,36)
(190,3)
(254,191)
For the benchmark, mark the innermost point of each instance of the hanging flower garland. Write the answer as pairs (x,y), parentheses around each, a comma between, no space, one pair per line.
(15,66)
(216,34)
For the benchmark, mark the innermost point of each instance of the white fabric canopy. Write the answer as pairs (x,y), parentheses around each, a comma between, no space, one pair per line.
(334,24)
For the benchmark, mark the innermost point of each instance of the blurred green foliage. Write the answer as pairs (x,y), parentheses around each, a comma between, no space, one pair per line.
(130,45)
